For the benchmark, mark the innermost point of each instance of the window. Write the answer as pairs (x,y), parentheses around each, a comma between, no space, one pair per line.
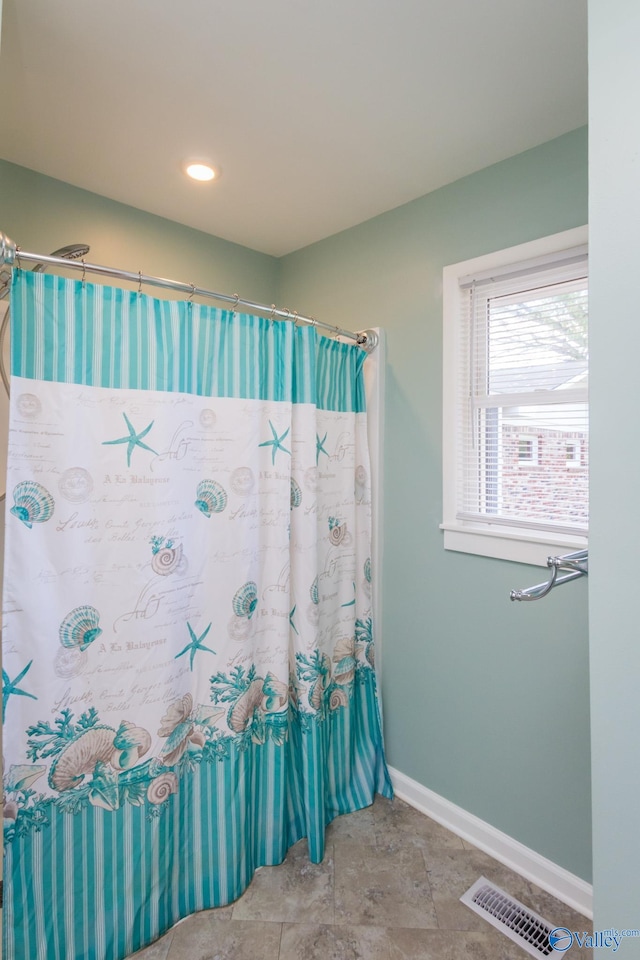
(515,401)
(574,454)
(527,450)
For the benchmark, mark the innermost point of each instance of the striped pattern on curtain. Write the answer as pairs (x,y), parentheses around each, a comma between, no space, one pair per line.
(103,336)
(239,814)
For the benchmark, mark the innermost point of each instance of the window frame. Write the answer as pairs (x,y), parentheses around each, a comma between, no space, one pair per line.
(574,462)
(499,540)
(534,459)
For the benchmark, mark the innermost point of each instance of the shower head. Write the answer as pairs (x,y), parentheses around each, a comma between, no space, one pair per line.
(71,252)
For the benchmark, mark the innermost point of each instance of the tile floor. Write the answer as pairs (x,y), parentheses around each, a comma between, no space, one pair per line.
(387,889)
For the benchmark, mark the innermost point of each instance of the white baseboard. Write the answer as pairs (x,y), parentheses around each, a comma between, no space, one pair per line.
(565,886)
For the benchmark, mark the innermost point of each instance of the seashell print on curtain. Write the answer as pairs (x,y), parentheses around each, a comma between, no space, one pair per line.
(187,628)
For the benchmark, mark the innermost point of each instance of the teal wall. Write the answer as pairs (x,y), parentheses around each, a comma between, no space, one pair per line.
(42,215)
(614,144)
(486,701)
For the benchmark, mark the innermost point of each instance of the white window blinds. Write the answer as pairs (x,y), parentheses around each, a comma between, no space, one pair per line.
(522,418)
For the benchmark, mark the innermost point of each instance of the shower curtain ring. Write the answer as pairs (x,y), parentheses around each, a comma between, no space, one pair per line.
(295,318)
(84,271)
(18,258)
(193,290)
(273,311)
(139,282)
(235,304)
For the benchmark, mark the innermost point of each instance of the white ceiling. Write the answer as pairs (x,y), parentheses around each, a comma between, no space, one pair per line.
(320,113)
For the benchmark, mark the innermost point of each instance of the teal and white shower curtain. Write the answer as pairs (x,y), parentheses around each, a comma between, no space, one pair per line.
(188,683)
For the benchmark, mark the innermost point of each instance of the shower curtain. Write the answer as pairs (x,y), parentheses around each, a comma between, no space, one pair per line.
(188,683)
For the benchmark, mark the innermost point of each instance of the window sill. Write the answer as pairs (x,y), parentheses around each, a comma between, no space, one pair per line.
(506,544)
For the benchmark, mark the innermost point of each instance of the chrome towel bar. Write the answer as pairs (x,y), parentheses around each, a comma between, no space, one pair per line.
(576,563)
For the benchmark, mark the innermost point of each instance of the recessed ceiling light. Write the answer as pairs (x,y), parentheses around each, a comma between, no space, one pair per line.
(200,171)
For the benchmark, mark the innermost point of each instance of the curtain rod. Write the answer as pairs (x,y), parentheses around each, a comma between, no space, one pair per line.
(12,255)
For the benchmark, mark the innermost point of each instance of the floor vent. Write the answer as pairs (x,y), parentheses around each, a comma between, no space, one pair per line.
(516,921)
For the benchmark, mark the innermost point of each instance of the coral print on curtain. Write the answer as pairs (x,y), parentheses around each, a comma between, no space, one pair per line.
(188,683)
